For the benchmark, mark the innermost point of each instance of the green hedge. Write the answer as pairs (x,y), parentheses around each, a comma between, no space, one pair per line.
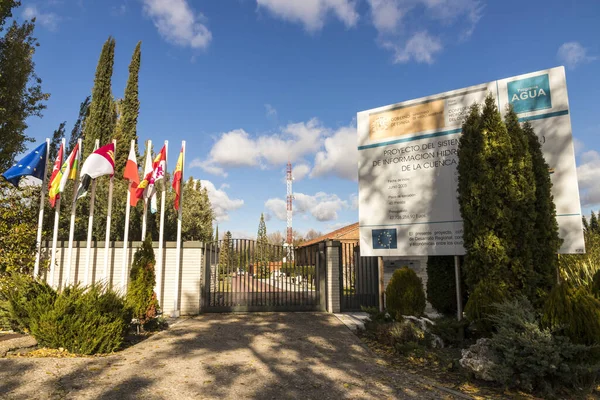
(405,294)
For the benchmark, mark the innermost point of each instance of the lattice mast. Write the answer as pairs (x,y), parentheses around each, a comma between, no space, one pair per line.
(290,197)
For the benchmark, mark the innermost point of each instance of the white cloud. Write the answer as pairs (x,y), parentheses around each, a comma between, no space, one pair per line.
(300,171)
(48,20)
(354,201)
(278,208)
(340,157)
(220,201)
(271,111)
(588,175)
(421,47)
(238,149)
(177,23)
(573,54)
(408,43)
(322,206)
(312,13)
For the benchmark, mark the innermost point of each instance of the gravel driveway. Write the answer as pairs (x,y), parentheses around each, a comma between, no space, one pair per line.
(223,356)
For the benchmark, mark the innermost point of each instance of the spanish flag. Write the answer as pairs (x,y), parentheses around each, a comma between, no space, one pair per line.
(54,183)
(131,174)
(177,177)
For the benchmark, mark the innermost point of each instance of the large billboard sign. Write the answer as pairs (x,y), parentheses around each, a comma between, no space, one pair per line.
(408,156)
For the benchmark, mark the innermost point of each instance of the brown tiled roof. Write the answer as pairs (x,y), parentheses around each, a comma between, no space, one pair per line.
(349,232)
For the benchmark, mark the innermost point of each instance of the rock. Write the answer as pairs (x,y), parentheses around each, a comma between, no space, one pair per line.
(480,359)
(22,342)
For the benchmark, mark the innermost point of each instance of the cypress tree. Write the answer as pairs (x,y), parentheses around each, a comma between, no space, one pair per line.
(546,239)
(225,254)
(586,226)
(101,122)
(78,128)
(129,110)
(262,243)
(522,195)
(486,195)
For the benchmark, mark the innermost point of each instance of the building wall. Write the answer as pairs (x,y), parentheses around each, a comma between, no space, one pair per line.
(190,270)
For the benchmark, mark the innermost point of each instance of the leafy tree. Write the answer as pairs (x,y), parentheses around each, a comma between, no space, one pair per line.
(275,238)
(312,234)
(102,119)
(546,241)
(129,110)
(18,227)
(21,94)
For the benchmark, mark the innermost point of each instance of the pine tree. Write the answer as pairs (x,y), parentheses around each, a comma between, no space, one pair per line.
(101,121)
(129,110)
(586,225)
(21,94)
(57,136)
(546,240)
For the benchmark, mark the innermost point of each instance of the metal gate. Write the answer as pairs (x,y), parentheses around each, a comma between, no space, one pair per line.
(359,279)
(245,275)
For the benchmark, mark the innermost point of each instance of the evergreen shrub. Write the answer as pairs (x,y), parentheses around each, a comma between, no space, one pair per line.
(574,313)
(405,294)
(83,320)
(141,298)
(533,359)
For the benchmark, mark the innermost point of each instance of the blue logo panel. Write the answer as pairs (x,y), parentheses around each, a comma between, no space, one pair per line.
(530,94)
(384,239)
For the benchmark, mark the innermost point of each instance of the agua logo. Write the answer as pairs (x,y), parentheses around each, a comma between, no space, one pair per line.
(530,94)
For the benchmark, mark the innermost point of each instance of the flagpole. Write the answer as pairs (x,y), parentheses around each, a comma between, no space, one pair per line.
(108,216)
(161,232)
(55,234)
(73,208)
(126,233)
(179,220)
(148,154)
(90,226)
(38,242)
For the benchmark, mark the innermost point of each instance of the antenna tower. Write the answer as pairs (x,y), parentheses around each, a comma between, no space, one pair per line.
(290,197)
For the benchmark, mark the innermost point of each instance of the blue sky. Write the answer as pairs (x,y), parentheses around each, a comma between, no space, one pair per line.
(250,84)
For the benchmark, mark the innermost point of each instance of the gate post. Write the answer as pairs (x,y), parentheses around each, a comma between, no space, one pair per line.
(321,267)
(205,277)
(333,276)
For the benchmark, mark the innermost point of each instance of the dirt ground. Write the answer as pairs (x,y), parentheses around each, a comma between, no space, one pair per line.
(225,356)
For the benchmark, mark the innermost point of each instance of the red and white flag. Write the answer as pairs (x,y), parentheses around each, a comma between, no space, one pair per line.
(131,174)
(100,162)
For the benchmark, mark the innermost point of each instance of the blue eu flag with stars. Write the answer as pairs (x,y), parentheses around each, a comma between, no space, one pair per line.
(384,239)
(33,164)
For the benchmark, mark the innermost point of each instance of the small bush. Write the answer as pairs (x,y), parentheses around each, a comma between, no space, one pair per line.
(574,313)
(140,294)
(405,294)
(480,305)
(450,330)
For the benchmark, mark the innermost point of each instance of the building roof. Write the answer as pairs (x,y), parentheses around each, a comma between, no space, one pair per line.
(349,232)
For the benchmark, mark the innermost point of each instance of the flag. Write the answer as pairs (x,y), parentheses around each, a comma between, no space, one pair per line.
(68,169)
(100,162)
(147,187)
(33,164)
(177,175)
(131,174)
(54,183)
